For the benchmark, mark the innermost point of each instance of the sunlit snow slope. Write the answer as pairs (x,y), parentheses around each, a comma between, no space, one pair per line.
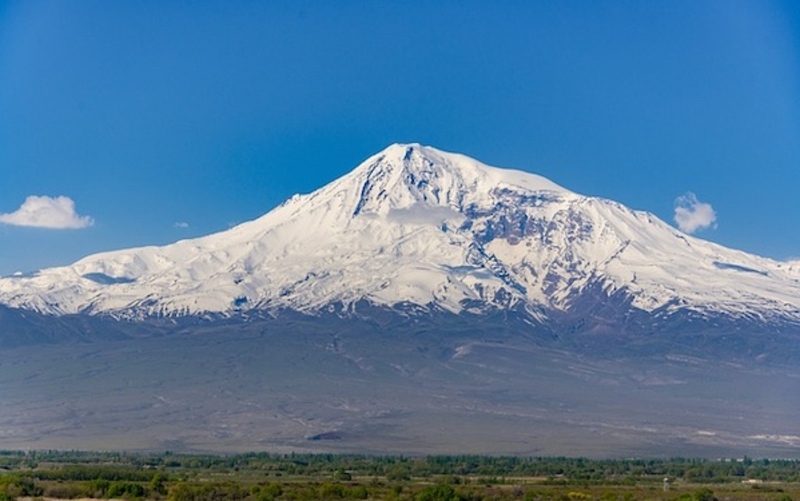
(417,227)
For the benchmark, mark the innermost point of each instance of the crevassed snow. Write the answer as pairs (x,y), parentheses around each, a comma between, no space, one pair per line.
(413,224)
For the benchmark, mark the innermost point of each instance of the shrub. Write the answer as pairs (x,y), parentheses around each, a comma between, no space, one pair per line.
(442,492)
(704,494)
(126,490)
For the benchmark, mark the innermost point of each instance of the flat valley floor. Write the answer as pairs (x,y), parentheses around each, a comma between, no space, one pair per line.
(317,391)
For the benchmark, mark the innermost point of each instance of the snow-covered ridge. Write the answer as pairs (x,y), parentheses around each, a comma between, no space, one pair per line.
(413,224)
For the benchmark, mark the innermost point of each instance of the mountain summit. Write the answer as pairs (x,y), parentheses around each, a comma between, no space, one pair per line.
(416,229)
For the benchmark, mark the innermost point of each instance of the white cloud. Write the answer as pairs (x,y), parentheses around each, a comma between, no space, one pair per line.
(181,224)
(691,214)
(47,212)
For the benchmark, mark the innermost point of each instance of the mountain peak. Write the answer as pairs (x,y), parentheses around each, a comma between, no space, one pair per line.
(403,151)
(405,174)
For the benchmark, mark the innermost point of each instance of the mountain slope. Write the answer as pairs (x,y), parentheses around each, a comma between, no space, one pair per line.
(417,228)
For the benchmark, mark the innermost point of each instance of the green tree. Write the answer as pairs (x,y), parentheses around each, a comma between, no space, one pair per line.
(157,484)
(342,475)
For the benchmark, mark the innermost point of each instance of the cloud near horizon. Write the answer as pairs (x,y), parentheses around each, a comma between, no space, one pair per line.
(56,213)
(692,215)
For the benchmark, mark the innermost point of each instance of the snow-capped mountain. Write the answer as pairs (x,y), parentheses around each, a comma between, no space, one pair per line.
(417,228)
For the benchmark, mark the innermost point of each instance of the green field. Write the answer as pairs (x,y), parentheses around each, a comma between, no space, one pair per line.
(261,476)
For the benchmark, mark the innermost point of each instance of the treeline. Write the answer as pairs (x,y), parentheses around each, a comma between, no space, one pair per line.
(84,466)
(94,472)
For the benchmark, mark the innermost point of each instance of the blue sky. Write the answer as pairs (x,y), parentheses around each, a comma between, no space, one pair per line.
(168,120)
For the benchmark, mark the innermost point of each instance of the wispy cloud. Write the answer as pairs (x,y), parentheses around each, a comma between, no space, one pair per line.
(181,224)
(692,215)
(47,212)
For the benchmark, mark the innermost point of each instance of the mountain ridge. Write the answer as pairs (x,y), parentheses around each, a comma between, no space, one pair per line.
(413,224)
